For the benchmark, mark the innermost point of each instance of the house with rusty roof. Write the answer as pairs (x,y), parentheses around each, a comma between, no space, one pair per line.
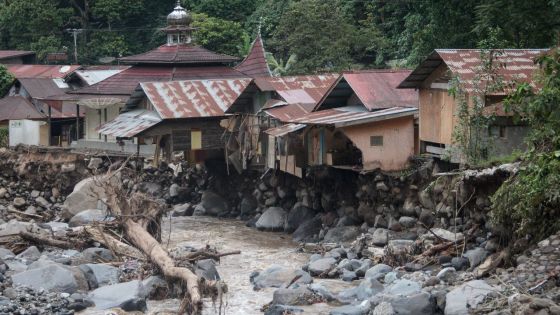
(362,123)
(462,70)
(180,59)
(9,57)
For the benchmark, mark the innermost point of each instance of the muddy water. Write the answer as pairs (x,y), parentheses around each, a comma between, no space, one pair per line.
(259,250)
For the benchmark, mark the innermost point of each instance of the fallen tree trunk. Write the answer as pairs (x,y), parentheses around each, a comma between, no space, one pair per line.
(117,247)
(49,241)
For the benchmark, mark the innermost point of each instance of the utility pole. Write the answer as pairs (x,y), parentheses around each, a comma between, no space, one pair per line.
(75,32)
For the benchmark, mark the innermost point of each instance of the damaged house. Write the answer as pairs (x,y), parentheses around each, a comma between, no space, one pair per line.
(177,60)
(435,77)
(362,123)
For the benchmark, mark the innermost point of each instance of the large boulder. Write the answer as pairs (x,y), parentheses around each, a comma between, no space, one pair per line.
(366,289)
(278,276)
(342,234)
(321,266)
(273,219)
(298,215)
(468,295)
(129,296)
(206,269)
(403,287)
(89,216)
(51,278)
(298,296)
(415,304)
(214,204)
(360,309)
(87,194)
(308,231)
(378,271)
(99,275)
(248,206)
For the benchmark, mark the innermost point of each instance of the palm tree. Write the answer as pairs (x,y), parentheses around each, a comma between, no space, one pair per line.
(278,67)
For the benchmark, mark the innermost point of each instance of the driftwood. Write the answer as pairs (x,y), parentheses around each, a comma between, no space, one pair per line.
(117,247)
(49,241)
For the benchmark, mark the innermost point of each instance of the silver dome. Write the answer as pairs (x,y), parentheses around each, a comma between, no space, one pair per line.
(179,16)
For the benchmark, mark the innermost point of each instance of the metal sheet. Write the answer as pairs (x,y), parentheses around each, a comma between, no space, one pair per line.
(8,54)
(284,129)
(350,116)
(195,98)
(130,124)
(289,112)
(255,64)
(41,71)
(17,108)
(94,76)
(299,89)
(178,54)
(42,88)
(513,65)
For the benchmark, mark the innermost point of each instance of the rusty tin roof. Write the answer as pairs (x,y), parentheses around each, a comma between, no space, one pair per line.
(349,116)
(178,54)
(284,129)
(18,107)
(130,124)
(41,71)
(289,112)
(513,65)
(308,89)
(194,98)
(255,64)
(8,54)
(41,88)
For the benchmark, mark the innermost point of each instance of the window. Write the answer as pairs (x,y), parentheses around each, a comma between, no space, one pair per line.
(497,131)
(376,141)
(196,139)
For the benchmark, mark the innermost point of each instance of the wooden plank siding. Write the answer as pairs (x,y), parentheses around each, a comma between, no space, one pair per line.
(437,116)
(211,133)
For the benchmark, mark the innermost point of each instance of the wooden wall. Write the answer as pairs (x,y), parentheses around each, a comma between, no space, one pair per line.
(437,116)
(211,132)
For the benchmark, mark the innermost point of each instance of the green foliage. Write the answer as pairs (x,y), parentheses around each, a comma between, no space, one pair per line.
(4,137)
(233,10)
(6,80)
(529,202)
(279,67)
(218,35)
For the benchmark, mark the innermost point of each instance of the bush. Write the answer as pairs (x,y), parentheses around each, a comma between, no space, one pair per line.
(4,138)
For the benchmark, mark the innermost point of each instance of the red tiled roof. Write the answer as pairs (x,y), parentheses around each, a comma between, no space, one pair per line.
(308,89)
(41,71)
(126,81)
(178,54)
(513,65)
(195,98)
(255,65)
(8,54)
(18,107)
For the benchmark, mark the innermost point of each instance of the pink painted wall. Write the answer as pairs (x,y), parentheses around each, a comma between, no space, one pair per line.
(398,143)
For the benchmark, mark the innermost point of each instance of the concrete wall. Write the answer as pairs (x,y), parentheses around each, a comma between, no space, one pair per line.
(94,118)
(28,132)
(398,143)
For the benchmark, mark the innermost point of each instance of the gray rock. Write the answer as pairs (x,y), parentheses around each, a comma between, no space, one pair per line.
(342,234)
(380,237)
(273,219)
(380,222)
(99,275)
(298,215)
(3,192)
(468,295)
(447,235)
(366,289)
(283,310)
(348,275)
(321,266)
(366,264)
(89,216)
(382,186)
(150,188)
(403,287)
(248,205)
(427,217)
(6,253)
(51,278)
(43,262)
(94,163)
(174,190)
(460,263)
(42,202)
(277,276)
(95,254)
(416,304)
(360,309)
(475,256)
(400,247)
(214,204)
(19,202)
(407,222)
(308,231)
(15,265)
(207,269)
(384,308)
(130,296)
(426,200)
(86,195)
(447,274)
(378,271)
(321,291)
(390,277)
(156,287)
(182,210)
(30,254)
(297,296)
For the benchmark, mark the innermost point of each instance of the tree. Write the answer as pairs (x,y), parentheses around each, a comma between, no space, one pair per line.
(218,35)
(233,10)
(6,80)
(319,33)
(278,67)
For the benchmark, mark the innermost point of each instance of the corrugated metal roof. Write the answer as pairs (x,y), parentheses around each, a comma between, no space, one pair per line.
(8,54)
(130,124)
(94,76)
(284,129)
(125,82)
(271,103)
(41,71)
(377,89)
(346,116)
(513,65)
(298,89)
(289,112)
(178,54)
(195,98)
(44,88)
(255,64)
(18,107)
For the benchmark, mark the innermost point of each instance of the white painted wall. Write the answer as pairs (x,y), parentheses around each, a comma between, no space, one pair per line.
(26,132)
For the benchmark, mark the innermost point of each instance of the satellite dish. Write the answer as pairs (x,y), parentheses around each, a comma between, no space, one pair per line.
(100,103)
(64,69)
(107,59)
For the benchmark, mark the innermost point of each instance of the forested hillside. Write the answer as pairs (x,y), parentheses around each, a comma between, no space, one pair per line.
(318,35)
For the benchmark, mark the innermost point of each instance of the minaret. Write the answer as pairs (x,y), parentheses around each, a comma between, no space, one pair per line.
(179,30)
